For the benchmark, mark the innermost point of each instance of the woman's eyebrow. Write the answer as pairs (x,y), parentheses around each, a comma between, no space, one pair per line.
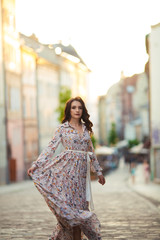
(76,106)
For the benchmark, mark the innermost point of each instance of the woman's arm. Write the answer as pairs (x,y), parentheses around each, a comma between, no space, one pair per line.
(48,152)
(95,167)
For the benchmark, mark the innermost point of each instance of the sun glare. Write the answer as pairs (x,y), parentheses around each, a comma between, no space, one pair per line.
(108,35)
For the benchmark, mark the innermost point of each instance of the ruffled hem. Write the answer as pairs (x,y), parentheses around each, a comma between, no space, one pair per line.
(69,217)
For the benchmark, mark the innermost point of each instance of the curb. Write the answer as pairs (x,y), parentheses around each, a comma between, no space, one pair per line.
(149,198)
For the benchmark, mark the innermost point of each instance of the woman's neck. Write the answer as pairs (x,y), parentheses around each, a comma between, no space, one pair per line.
(74,122)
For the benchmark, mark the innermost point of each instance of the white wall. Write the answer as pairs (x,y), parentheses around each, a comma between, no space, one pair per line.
(48,90)
(155,100)
(140,103)
(155,84)
(129,132)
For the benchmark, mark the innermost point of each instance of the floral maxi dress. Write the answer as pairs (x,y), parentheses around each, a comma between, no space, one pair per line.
(61,179)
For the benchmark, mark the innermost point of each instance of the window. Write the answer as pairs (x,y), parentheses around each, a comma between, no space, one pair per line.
(29,69)
(24,108)
(32,107)
(14,99)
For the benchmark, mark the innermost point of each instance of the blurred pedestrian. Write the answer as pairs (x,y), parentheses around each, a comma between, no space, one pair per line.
(133,171)
(64,180)
(146,168)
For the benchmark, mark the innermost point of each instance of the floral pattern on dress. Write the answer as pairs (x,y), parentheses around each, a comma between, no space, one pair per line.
(61,179)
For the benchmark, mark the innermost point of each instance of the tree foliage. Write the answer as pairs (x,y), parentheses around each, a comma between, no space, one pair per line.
(112,139)
(94,141)
(64,96)
(133,142)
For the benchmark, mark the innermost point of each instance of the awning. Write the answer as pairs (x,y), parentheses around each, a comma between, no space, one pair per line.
(104,150)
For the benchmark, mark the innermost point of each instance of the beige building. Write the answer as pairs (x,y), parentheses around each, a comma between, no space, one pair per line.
(114,109)
(110,111)
(29,106)
(73,71)
(45,70)
(14,166)
(3,138)
(41,89)
(154,60)
(102,115)
(55,66)
(141,107)
(48,90)
(126,105)
(31,75)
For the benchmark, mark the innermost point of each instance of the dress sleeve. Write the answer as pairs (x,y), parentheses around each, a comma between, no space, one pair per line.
(49,150)
(95,166)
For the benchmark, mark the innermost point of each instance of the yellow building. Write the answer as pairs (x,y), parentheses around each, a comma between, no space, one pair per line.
(73,70)
(14,165)
(154,59)
(29,106)
(3,138)
(31,75)
(56,66)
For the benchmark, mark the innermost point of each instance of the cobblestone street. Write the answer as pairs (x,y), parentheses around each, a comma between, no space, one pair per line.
(123,213)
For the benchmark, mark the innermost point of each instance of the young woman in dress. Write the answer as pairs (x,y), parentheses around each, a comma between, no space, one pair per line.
(64,179)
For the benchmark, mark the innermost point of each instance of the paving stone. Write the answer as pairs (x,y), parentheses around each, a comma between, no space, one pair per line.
(123,213)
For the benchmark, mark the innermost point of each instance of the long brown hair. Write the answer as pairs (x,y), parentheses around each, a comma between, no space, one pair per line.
(85,116)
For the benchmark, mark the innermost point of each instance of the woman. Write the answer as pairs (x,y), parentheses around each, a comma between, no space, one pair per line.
(64,179)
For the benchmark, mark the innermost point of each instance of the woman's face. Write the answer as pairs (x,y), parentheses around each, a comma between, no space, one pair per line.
(76,110)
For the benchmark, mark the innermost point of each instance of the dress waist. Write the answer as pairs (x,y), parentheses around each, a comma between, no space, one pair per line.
(88,178)
(79,151)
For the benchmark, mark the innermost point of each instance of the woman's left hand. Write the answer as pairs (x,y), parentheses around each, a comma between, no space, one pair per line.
(101,179)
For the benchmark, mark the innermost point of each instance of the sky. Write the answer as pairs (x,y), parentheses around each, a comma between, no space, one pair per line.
(109,35)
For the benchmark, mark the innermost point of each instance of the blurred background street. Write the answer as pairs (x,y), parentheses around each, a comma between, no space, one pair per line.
(124,214)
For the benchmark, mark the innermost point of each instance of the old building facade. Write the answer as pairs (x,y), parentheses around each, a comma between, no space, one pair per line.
(31,76)
(12,94)
(126,105)
(154,59)
(3,137)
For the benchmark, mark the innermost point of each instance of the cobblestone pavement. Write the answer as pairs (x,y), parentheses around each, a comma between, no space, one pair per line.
(123,213)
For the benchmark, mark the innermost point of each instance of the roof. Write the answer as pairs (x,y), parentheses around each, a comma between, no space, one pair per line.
(40,49)
(47,51)
(70,50)
(156,25)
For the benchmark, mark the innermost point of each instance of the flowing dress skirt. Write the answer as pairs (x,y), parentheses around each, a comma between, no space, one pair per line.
(62,182)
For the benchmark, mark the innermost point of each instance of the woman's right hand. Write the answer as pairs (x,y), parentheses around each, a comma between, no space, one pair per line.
(31,170)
